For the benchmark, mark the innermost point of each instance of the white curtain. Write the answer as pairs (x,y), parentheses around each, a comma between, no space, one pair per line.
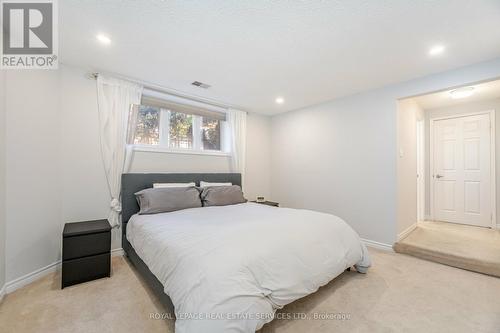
(115,99)
(237,122)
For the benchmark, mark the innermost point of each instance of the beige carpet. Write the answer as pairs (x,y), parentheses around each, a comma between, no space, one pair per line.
(472,248)
(399,294)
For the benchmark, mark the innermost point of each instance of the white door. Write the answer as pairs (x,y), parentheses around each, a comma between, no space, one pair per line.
(461,175)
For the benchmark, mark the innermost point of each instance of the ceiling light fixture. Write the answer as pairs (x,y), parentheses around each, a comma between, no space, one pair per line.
(280,100)
(103,39)
(462,92)
(436,50)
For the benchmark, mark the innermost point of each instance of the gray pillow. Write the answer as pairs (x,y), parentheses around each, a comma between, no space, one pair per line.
(161,200)
(222,195)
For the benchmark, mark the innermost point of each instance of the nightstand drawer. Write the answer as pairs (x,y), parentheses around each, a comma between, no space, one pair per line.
(86,245)
(85,269)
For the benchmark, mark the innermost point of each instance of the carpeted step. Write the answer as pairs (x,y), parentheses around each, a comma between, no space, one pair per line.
(471,248)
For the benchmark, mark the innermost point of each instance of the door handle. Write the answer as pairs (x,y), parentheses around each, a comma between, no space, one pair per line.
(439,176)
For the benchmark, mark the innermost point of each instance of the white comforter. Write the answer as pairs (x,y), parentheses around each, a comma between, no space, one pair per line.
(227,269)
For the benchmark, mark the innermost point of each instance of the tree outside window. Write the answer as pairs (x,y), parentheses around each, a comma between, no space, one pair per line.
(147,130)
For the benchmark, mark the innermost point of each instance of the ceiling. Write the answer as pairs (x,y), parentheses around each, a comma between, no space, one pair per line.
(251,52)
(482,92)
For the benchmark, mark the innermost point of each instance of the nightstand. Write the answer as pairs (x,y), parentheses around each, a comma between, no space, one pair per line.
(86,252)
(269,203)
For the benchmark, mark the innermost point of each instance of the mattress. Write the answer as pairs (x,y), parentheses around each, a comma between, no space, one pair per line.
(229,268)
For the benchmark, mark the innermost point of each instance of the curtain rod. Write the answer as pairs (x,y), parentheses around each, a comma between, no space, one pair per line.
(160,89)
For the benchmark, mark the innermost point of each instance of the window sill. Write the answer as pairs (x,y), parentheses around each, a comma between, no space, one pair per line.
(156,149)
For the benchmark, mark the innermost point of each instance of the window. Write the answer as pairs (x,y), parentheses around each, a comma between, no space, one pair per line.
(167,127)
(148,126)
(181,130)
(210,134)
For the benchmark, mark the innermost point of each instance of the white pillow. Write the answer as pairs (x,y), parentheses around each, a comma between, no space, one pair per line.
(171,185)
(207,184)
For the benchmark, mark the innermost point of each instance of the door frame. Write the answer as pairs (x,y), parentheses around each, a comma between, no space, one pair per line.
(491,113)
(421,176)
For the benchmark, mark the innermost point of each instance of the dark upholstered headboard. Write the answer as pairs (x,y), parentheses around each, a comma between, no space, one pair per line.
(134,182)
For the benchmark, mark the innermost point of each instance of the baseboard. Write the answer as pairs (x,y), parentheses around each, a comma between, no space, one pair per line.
(377,245)
(498,226)
(39,273)
(117,252)
(2,293)
(31,277)
(405,233)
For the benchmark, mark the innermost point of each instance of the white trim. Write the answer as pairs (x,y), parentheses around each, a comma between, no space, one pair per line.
(31,277)
(493,180)
(493,177)
(431,169)
(421,178)
(164,128)
(159,149)
(117,252)
(2,293)
(377,245)
(197,144)
(407,231)
(498,226)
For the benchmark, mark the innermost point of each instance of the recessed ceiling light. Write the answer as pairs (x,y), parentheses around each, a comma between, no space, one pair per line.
(436,50)
(103,39)
(280,100)
(462,92)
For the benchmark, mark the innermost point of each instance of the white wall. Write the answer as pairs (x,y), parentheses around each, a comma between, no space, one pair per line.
(407,115)
(341,156)
(2,180)
(463,108)
(33,190)
(84,193)
(338,157)
(258,160)
(54,169)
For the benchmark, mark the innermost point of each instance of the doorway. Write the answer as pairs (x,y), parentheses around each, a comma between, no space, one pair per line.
(446,173)
(462,167)
(446,168)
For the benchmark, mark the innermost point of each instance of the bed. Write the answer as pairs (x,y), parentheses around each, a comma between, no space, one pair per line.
(229,268)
